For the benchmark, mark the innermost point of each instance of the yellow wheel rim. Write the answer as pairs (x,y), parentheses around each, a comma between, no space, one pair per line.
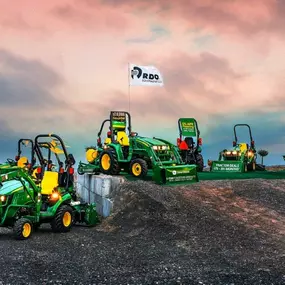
(106,161)
(136,169)
(27,229)
(66,219)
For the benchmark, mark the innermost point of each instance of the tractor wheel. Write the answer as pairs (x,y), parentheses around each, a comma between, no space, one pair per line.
(80,171)
(63,220)
(251,166)
(199,162)
(109,162)
(22,229)
(138,167)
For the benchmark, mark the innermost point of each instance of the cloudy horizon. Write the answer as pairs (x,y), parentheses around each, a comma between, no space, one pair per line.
(64,66)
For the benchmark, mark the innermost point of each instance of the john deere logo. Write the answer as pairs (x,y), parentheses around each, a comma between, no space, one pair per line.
(136,71)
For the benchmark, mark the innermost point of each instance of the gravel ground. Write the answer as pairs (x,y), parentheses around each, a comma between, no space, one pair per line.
(212,232)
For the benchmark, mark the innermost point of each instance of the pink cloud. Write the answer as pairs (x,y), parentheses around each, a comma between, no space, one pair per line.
(226,17)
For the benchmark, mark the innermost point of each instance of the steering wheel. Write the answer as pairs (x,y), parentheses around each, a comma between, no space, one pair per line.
(11,161)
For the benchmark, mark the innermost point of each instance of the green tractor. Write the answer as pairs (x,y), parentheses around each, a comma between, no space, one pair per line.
(190,150)
(241,158)
(21,160)
(26,204)
(126,151)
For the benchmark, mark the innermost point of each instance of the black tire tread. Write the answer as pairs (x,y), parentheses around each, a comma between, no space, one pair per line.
(115,168)
(143,165)
(56,224)
(18,228)
(199,162)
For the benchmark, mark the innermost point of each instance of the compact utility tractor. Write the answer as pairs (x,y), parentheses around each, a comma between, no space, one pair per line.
(126,151)
(189,142)
(241,158)
(26,203)
(20,159)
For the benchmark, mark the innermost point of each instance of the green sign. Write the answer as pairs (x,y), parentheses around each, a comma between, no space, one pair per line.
(227,166)
(118,120)
(188,127)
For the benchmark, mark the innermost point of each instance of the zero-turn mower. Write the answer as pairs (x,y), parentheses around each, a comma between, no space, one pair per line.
(25,203)
(241,158)
(190,150)
(126,151)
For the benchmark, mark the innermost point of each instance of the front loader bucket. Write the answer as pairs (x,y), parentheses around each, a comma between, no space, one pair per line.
(175,174)
(227,166)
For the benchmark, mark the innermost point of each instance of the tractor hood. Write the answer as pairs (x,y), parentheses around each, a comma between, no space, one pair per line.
(9,187)
(151,141)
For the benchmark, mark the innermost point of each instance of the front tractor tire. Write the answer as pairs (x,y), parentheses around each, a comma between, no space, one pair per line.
(138,167)
(22,229)
(63,220)
(108,162)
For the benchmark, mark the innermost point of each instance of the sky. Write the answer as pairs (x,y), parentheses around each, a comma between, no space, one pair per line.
(64,67)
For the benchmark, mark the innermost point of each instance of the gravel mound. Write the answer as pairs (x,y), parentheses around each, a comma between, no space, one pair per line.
(212,232)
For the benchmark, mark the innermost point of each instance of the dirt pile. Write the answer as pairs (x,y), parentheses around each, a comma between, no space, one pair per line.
(225,231)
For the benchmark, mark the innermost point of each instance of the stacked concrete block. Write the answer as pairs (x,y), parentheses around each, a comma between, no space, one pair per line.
(97,189)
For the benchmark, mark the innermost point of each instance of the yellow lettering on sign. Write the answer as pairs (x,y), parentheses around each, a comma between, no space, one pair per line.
(187,125)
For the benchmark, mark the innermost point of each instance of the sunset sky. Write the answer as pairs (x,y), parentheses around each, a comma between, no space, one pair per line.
(64,66)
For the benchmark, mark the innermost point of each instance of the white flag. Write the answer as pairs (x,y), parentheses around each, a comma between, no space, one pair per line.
(144,76)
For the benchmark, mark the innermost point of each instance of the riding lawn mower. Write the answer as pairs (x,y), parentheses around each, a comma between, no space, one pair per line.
(26,202)
(125,151)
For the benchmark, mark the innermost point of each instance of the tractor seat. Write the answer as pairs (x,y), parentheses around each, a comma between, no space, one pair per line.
(189,141)
(49,182)
(123,138)
(22,162)
(107,141)
(243,147)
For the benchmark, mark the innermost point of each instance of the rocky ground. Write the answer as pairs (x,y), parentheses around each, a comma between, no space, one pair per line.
(212,232)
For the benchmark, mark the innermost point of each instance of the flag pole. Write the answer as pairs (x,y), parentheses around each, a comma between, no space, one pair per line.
(129,87)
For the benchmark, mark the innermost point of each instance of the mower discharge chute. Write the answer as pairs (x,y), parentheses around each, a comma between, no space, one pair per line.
(241,158)
(188,133)
(126,151)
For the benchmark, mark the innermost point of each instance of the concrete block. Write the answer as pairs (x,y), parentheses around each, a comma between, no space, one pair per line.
(107,207)
(104,206)
(98,189)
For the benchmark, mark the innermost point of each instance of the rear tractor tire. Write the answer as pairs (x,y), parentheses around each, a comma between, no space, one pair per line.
(200,162)
(138,167)
(251,166)
(109,163)
(63,220)
(22,229)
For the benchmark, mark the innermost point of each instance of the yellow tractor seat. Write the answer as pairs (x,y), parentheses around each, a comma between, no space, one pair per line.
(49,182)
(243,147)
(123,138)
(107,140)
(22,162)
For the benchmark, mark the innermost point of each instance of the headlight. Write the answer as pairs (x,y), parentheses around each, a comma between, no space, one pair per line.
(160,147)
(249,153)
(228,152)
(234,152)
(3,198)
(55,196)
